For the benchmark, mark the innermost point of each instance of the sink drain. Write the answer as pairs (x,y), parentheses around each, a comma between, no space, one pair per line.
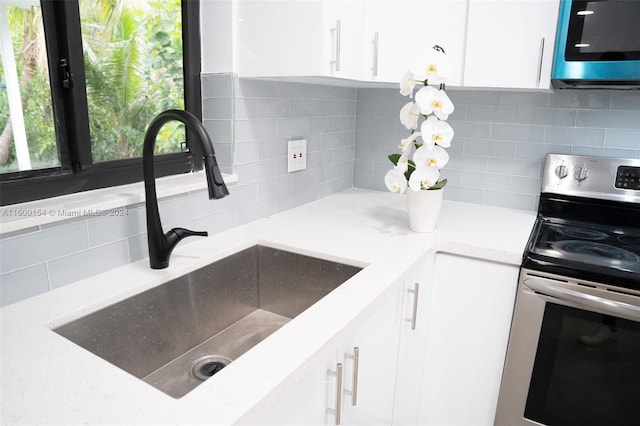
(208,365)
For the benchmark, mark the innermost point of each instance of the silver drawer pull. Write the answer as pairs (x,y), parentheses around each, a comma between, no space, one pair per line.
(338,30)
(374,69)
(354,377)
(338,410)
(540,57)
(414,316)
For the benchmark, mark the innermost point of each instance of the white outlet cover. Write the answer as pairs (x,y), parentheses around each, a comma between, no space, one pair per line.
(297,155)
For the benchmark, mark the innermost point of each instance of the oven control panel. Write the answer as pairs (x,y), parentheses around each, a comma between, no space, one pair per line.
(628,178)
(592,177)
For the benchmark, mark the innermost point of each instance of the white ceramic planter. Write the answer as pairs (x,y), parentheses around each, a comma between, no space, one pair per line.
(423,208)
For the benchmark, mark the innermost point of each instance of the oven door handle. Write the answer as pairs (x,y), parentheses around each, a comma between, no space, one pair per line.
(612,307)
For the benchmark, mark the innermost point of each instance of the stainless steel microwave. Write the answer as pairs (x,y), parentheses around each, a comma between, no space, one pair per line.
(597,45)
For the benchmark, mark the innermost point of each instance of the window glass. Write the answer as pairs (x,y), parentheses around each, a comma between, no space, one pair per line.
(133,70)
(27,133)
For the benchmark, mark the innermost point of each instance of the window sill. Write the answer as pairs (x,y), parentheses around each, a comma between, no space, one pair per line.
(100,202)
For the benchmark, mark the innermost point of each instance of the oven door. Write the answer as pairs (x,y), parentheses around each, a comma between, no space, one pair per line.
(573,356)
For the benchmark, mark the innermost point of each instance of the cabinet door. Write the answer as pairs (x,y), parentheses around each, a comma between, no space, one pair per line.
(412,345)
(376,339)
(342,47)
(375,334)
(470,317)
(407,28)
(298,38)
(277,38)
(510,43)
(307,402)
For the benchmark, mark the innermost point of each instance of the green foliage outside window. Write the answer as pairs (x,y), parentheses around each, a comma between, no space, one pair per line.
(133,70)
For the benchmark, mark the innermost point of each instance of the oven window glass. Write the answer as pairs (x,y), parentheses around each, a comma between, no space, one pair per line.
(586,370)
(603,30)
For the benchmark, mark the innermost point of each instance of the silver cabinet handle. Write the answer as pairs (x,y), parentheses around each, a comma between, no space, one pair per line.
(374,69)
(540,57)
(354,377)
(338,410)
(338,31)
(414,316)
(612,307)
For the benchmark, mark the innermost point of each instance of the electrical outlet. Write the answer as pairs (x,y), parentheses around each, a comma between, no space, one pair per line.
(297,155)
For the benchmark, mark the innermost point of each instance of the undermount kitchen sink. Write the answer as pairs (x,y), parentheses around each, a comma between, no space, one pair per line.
(178,334)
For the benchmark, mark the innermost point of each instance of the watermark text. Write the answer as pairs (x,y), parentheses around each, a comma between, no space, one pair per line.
(20,212)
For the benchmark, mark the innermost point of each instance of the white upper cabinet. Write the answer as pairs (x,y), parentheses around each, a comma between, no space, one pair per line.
(491,43)
(398,32)
(298,38)
(510,43)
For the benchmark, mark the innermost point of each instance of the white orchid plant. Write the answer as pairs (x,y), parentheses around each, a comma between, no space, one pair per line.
(433,107)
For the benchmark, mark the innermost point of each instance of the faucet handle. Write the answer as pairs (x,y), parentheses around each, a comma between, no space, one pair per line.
(183,233)
(174,236)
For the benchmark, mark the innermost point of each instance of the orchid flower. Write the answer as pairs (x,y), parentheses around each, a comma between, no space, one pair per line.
(409,115)
(407,142)
(395,181)
(434,101)
(436,132)
(434,106)
(435,66)
(424,178)
(407,84)
(430,157)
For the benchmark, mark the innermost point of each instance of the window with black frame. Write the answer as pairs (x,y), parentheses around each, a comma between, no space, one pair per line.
(80,82)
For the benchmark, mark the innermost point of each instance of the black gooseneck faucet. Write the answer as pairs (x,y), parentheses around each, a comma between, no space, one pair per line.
(160,244)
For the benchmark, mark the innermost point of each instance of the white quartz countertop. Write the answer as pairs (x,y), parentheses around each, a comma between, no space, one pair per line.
(46,379)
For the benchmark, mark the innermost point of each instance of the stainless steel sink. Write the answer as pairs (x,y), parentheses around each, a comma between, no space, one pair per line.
(177,334)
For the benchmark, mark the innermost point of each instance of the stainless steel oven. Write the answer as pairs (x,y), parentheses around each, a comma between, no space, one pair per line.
(574,349)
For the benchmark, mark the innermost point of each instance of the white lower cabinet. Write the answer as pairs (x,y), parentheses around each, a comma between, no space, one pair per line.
(470,310)
(429,351)
(367,353)
(413,344)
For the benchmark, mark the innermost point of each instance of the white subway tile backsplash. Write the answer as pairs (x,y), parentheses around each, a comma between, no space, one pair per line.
(574,136)
(500,141)
(523,98)
(307,107)
(217,108)
(485,181)
(582,99)
(620,119)
(501,138)
(517,132)
(217,86)
(509,199)
(535,151)
(293,127)
(546,116)
(255,129)
(623,139)
(489,148)
(105,229)
(292,90)
(65,270)
(248,88)
(623,99)
(38,247)
(23,283)
(471,129)
(490,113)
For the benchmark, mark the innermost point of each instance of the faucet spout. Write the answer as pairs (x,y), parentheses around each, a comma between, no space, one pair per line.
(160,244)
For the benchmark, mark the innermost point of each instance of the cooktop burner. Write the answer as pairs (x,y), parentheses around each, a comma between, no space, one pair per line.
(597,253)
(581,232)
(632,240)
